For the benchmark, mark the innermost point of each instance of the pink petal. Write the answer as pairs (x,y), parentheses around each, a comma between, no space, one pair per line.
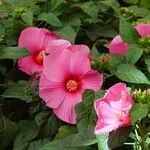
(57,68)
(27,65)
(35,39)
(66,111)
(117,46)
(52,93)
(92,80)
(104,111)
(143,29)
(80,48)
(56,46)
(79,63)
(102,128)
(119,97)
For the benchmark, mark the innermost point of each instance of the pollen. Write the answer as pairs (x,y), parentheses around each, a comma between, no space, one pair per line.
(72,85)
(119,115)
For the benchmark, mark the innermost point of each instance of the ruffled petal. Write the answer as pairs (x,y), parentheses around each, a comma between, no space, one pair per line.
(105,112)
(80,48)
(143,29)
(56,46)
(52,93)
(66,111)
(118,46)
(119,97)
(102,128)
(92,80)
(35,39)
(27,65)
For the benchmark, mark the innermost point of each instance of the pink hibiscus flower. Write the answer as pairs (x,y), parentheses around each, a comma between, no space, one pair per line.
(35,40)
(113,109)
(63,81)
(118,46)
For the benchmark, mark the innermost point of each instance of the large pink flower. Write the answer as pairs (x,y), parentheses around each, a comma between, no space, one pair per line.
(63,81)
(118,46)
(113,109)
(35,40)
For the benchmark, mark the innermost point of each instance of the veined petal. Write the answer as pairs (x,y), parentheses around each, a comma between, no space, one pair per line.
(27,65)
(52,93)
(80,48)
(79,63)
(66,111)
(92,80)
(57,68)
(35,39)
(57,46)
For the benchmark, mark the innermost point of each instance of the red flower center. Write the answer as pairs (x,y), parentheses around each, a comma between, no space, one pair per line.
(38,57)
(72,85)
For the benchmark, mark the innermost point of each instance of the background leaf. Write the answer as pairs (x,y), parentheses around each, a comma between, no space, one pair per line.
(127,32)
(131,74)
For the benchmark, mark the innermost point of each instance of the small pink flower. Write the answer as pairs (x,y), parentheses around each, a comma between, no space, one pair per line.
(35,41)
(118,46)
(113,109)
(63,81)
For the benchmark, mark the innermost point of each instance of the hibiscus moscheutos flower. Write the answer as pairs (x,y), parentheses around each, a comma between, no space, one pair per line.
(64,80)
(113,109)
(35,41)
(118,46)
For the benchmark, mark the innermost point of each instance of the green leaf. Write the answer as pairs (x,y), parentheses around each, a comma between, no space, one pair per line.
(13,53)
(133,55)
(147,62)
(95,52)
(117,60)
(42,117)
(51,19)
(21,90)
(68,33)
(8,130)
(36,145)
(102,142)
(139,12)
(112,140)
(65,131)
(27,17)
(138,112)
(96,31)
(113,4)
(56,3)
(131,74)
(86,117)
(128,33)
(28,130)
(90,8)
(131,1)
(73,142)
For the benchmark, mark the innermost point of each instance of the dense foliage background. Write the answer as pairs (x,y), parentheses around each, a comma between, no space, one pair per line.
(25,122)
